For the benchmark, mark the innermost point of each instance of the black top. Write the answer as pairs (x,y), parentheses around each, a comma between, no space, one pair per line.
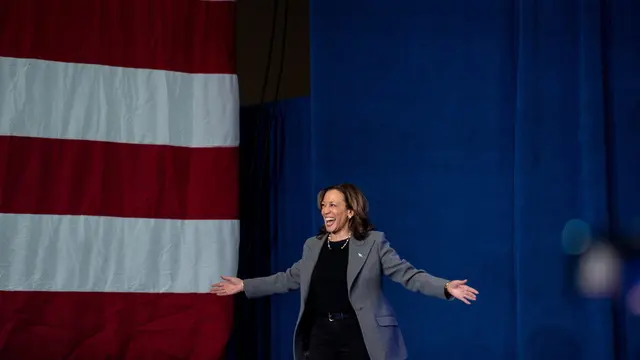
(328,288)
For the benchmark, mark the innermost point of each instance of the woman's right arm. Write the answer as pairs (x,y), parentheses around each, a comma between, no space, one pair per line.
(279,283)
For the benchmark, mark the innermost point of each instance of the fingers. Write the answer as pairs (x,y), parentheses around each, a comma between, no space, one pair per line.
(465,298)
(218,286)
(460,284)
(469,292)
(470,296)
(229,279)
(466,293)
(219,289)
(228,286)
(219,292)
(469,289)
(457,283)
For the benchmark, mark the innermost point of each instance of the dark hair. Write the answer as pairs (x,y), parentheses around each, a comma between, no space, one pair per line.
(359,224)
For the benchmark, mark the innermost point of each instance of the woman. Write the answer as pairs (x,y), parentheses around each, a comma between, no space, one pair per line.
(343,312)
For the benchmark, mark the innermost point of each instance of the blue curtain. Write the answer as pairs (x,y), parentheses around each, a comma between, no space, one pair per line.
(293,209)
(478,130)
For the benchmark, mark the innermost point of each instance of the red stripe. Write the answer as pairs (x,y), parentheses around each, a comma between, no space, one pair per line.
(77,325)
(78,177)
(181,35)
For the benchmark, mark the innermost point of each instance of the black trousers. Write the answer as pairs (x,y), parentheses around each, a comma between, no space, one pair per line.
(340,339)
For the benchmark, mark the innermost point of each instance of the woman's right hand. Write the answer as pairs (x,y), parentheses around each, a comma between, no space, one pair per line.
(228,286)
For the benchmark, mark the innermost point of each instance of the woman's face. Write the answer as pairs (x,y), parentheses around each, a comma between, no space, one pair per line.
(334,212)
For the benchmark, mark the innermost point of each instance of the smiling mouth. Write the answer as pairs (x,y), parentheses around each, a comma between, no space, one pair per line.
(329,221)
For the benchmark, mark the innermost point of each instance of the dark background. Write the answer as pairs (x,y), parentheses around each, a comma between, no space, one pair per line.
(260,45)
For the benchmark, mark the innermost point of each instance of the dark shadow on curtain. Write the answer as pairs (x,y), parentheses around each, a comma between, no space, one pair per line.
(251,336)
(278,205)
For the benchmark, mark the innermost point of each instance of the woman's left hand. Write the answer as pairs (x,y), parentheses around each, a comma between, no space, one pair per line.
(462,292)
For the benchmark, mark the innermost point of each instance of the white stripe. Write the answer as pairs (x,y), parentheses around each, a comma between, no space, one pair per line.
(83,253)
(51,99)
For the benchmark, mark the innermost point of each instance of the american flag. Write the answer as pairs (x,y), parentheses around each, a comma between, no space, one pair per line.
(118,178)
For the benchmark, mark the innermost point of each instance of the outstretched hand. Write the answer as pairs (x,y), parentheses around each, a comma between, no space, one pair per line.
(462,292)
(228,286)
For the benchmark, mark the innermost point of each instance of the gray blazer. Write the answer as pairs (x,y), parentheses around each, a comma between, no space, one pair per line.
(368,260)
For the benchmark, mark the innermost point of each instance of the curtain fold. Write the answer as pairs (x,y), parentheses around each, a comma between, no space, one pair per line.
(559,174)
(293,208)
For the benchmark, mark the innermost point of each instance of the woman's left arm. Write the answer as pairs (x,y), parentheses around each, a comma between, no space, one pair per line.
(401,271)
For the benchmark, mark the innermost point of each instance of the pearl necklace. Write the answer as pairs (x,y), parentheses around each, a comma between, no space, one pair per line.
(343,246)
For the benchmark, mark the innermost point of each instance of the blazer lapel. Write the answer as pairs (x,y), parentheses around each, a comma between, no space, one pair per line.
(358,253)
(314,253)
